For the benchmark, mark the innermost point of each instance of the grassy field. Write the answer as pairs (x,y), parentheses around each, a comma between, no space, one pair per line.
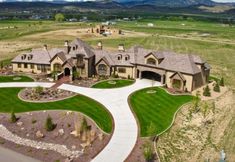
(15,79)
(113,84)
(79,103)
(155,111)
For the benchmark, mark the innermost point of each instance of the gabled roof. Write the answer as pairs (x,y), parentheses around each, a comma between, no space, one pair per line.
(179,74)
(82,48)
(103,59)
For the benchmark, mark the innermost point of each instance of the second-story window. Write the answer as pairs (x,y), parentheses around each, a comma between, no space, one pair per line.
(151,61)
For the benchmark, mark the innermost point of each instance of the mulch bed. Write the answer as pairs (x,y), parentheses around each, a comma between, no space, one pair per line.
(34,121)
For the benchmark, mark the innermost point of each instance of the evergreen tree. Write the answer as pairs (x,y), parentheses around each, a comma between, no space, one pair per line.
(221,82)
(206,91)
(49,125)
(13,117)
(216,87)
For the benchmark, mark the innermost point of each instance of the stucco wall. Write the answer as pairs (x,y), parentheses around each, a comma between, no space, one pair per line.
(28,69)
(108,68)
(130,71)
(188,78)
(56,60)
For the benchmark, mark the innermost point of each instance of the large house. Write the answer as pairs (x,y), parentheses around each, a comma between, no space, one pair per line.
(180,71)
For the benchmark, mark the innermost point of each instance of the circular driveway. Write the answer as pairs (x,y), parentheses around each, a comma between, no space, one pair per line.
(116,101)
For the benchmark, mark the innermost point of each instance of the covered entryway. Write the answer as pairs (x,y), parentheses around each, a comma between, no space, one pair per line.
(151,75)
(66,72)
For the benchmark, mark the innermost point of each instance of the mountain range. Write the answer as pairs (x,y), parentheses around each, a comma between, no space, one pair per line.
(130,3)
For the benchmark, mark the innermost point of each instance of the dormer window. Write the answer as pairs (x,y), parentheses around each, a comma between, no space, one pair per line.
(127,57)
(74,48)
(119,57)
(151,61)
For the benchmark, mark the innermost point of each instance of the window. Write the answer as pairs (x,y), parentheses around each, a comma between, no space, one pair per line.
(32,66)
(122,70)
(79,60)
(151,61)
(102,69)
(119,57)
(57,67)
(38,67)
(25,66)
(127,57)
(19,65)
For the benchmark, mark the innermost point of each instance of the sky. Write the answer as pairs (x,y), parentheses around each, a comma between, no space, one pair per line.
(94,0)
(224,0)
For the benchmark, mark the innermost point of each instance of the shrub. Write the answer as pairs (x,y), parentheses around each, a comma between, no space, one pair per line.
(49,125)
(221,82)
(148,152)
(76,75)
(206,91)
(216,87)
(39,89)
(13,117)
(34,121)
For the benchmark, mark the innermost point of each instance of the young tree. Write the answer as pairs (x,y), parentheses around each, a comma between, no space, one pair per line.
(206,91)
(196,101)
(49,125)
(13,117)
(216,87)
(59,17)
(221,82)
(84,125)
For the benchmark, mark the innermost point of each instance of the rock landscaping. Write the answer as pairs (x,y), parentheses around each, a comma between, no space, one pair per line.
(29,136)
(40,94)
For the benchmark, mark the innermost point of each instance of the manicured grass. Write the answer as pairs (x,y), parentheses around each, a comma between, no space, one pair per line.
(156,108)
(118,83)
(11,102)
(15,79)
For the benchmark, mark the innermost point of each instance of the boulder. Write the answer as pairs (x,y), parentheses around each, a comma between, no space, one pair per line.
(39,134)
(19,123)
(61,132)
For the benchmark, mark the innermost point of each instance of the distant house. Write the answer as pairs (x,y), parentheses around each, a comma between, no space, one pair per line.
(183,72)
(104,29)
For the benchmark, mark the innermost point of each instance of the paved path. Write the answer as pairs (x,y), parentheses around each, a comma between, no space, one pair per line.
(126,129)
(116,101)
(7,155)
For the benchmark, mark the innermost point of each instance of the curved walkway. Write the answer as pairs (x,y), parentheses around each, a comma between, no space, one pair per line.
(116,101)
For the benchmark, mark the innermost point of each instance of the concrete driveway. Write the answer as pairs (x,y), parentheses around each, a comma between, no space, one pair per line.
(116,101)
(126,130)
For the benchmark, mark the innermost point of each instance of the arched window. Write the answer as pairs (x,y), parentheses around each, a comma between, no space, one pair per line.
(119,57)
(102,69)
(151,61)
(127,57)
(57,67)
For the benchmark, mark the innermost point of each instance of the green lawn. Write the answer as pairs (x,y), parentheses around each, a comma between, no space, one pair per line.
(15,79)
(11,102)
(156,108)
(109,84)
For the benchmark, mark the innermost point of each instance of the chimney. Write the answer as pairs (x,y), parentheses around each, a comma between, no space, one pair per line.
(99,45)
(121,48)
(45,47)
(66,43)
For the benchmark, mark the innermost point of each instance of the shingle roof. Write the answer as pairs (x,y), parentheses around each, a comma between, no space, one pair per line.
(82,48)
(39,56)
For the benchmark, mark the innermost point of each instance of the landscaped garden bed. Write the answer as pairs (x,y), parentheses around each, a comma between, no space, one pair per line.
(79,103)
(114,83)
(155,111)
(40,94)
(32,126)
